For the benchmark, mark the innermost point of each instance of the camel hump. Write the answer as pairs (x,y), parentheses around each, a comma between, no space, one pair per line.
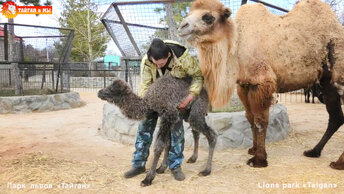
(254,10)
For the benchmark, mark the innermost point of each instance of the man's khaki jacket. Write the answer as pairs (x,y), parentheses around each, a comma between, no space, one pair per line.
(181,67)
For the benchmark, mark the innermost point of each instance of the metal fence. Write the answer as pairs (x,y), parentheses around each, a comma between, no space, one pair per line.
(62,77)
(34,43)
(84,80)
(293,97)
(40,52)
(38,77)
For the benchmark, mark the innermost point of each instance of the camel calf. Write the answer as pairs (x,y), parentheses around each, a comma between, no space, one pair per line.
(163,97)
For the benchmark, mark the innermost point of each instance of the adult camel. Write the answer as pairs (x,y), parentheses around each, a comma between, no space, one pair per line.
(264,53)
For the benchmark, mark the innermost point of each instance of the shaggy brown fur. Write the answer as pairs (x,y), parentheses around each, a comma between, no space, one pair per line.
(265,53)
(163,97)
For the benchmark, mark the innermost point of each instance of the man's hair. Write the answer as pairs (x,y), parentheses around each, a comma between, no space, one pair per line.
(158,49)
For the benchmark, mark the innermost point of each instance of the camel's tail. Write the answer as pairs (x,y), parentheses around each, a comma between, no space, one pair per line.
(120,94)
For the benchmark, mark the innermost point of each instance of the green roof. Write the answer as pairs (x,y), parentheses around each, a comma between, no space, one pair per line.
(113,59)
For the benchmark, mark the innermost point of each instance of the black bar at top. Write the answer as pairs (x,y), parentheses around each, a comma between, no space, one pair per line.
(270,5)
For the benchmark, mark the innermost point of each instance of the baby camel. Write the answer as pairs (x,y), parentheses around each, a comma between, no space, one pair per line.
(163,97)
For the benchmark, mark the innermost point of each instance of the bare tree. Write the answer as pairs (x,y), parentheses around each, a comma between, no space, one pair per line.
(172,26)
(337,6)
(18,87)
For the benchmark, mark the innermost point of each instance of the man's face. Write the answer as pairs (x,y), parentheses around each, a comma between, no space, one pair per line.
(161,62)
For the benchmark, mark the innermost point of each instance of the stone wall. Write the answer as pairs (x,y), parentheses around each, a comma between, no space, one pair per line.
(39,103)
(232,128)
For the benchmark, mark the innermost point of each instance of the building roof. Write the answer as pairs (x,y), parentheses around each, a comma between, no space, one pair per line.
(2,34)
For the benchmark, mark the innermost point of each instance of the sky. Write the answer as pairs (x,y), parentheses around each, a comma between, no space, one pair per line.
(47,20)
(52,20)
(41,20)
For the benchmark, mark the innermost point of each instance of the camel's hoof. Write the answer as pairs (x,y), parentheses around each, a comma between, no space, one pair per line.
(252,151)
(312,153)
(192,159)
(146,182)
(204,173)
(257,162)
(337,166)
(161,169)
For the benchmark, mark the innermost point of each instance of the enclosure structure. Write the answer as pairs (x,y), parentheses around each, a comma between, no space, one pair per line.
(132,25)
(41,53)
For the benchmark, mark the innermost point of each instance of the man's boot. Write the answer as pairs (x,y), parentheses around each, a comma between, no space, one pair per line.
(134,171)
(178,174)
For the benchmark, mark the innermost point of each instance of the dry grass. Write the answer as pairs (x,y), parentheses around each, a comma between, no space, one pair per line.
(39,168)
(63,147)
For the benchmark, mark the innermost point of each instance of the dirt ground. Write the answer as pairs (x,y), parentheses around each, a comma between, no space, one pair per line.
(46,152)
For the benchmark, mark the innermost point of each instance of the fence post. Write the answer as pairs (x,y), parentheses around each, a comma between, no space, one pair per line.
(104,79)
(6,42)
(61,77)
(126,71)
(21,50)
(9,75)
(58,77)
(43,77)
(52,78)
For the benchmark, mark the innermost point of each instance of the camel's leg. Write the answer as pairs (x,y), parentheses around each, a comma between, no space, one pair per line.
(261,120)
(194,156)
(158,148)
(243,95)
(339,165)
(163,165)
(259,101)
(306,92)
(313,96)
(163,138)
(336,118)
(250,118)
(198,124)
(211,137)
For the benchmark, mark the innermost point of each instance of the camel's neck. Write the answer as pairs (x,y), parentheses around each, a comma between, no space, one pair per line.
(220,68)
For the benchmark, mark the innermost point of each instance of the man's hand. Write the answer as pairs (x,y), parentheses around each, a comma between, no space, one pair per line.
(186,101)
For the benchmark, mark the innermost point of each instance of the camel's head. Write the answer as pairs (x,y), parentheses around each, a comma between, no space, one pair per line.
(115,92)
(206,22)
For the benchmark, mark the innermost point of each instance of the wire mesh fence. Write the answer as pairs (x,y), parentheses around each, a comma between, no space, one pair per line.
(42,52)
(36,78)
(58,77)
(295,97)
(84,80)
(32,43)
(133,24)
(36,50)
(78,77)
